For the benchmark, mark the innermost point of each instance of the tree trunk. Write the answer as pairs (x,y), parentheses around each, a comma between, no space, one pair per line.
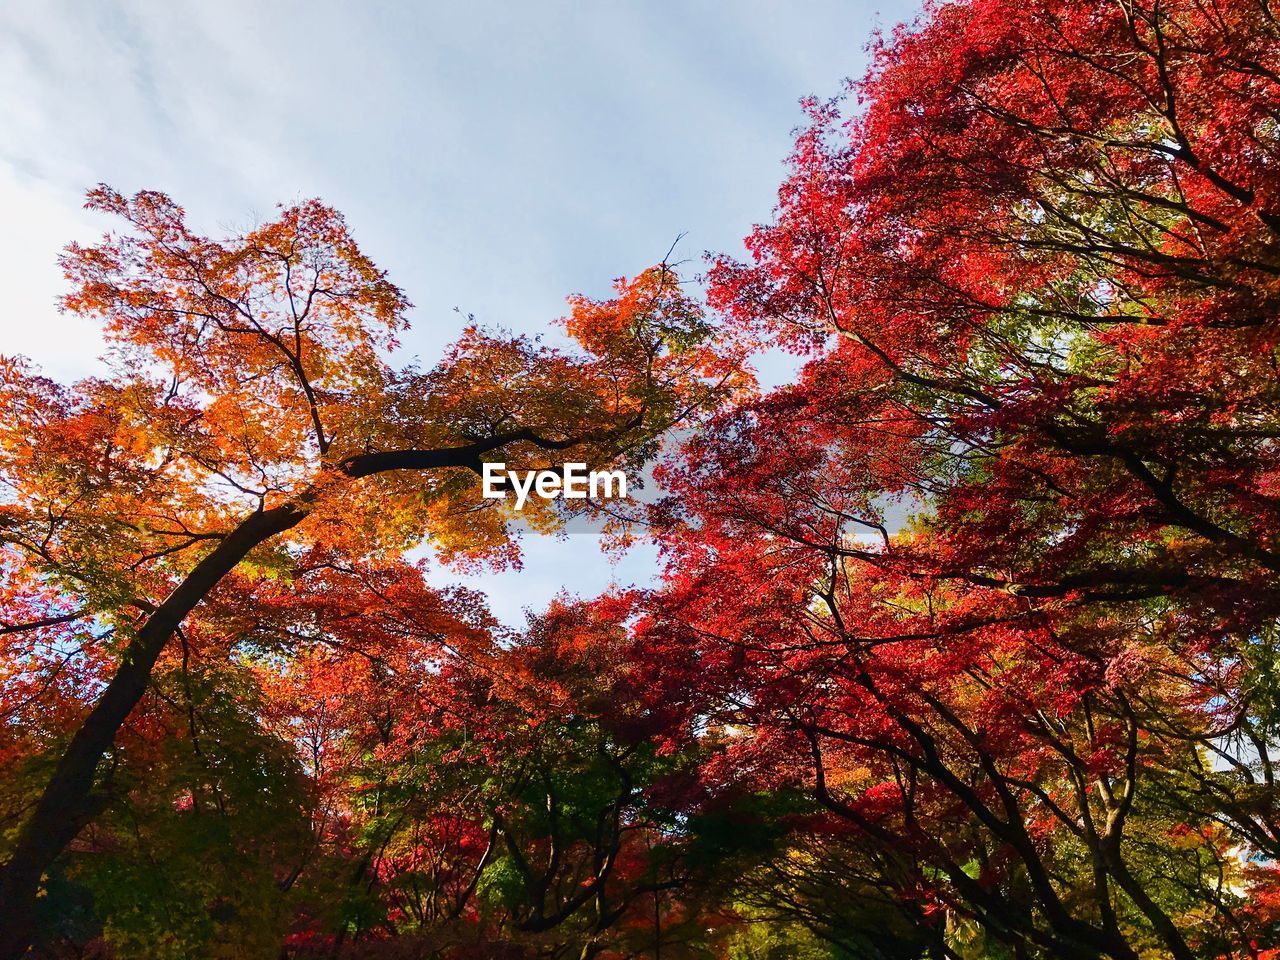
(66,804)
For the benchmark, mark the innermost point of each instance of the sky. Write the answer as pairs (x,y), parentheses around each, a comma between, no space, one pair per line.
(493,157)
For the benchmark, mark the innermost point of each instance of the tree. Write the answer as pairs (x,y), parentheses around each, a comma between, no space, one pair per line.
(1036,279)
(250,416)
(493,794)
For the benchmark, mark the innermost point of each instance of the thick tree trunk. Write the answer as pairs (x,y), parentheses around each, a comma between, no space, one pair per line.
(66,804)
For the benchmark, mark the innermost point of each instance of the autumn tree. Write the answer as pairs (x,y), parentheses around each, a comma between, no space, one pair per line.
(1035,275)
(249,417)
(557,757)
(479,792)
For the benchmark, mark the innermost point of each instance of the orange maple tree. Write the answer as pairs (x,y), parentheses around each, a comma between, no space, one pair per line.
(249,417)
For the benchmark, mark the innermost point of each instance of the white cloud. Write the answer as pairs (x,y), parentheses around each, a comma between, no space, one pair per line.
(39,221)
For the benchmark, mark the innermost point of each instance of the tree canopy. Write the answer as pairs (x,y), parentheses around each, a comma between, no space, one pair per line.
(966,640)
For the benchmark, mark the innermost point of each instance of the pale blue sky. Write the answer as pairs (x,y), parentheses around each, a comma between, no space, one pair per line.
(494,157)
